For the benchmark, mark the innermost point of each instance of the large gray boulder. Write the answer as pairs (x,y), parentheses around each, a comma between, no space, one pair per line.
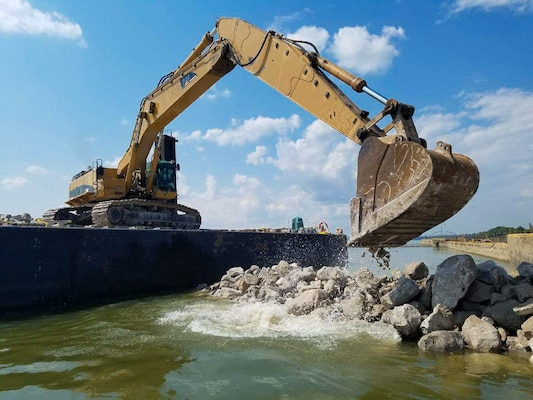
(479,292)
(406,290)
(364,279)
(525,269)
(306,301)
(460,316)
(353,307)
(332,273)
(481,336)
(228,293)
(332,288)
(452,279)
(524,310)
(491,273)
(500,298)
(527,328)
(442,341)
(416,270)
(306,274)
(234,272)
(283,268)
(523,291)
(504,316)
(426,293)
(285,285)
(405,318)
(441,319)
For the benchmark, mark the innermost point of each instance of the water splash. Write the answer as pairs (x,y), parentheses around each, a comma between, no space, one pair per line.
(270,320)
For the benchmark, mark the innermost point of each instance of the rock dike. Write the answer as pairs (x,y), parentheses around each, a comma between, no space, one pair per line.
(462,305)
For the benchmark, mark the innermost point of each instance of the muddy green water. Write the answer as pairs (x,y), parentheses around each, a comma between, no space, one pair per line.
(194,347)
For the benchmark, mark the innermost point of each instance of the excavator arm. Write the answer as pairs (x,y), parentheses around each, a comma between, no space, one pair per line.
(280,62)
(403,189)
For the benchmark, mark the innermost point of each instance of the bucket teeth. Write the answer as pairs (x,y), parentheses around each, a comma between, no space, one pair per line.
(403,190)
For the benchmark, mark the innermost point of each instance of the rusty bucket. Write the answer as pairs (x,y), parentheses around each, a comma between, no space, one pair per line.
(403,190)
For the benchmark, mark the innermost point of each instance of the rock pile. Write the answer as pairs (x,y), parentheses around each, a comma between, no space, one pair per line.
(480,307)
(19,219)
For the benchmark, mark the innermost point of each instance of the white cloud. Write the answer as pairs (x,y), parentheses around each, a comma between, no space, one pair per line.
(216,93)
(248,131)
(249,199)
(519,6)
(320,153)
(436,124)
(280,21)
(19,17)
(211,187)
(316,35)
(298,201)
(195,135)
(250,203)
(182,186)
(113,163)
(322,163)
(235,207)
(357,49)
(494,130)
(35,169)
(9,184)
(494,126)
(353,47)
(316,172)
(257,157)
(246,183)
(125,122)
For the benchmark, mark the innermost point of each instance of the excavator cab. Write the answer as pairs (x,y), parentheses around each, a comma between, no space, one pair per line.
(166,176)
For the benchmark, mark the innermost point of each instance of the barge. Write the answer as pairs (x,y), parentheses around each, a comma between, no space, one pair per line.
(48,269)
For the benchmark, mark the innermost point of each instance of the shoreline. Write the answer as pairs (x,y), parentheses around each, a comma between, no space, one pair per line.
(519,247)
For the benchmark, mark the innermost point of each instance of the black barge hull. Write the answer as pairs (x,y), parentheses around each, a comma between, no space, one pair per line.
(47,269)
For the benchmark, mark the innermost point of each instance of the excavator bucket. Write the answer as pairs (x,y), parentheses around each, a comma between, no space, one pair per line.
(403,190)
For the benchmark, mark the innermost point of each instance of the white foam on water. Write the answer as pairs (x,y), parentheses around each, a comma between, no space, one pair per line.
(253,320)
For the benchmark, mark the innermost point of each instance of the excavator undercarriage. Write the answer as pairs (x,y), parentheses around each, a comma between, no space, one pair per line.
(139,213)
(145,213)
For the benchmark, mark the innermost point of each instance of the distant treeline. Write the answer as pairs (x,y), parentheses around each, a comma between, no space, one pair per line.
(499,231)
(495,234)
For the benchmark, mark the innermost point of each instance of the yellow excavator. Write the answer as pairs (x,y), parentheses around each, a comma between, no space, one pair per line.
(403,189)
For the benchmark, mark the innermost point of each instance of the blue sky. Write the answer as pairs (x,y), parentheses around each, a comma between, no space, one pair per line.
(74,72)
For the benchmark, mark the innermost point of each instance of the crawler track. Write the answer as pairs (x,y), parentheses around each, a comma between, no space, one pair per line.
(145,213)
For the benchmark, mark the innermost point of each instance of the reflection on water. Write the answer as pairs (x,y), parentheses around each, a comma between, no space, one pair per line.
(191,346)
